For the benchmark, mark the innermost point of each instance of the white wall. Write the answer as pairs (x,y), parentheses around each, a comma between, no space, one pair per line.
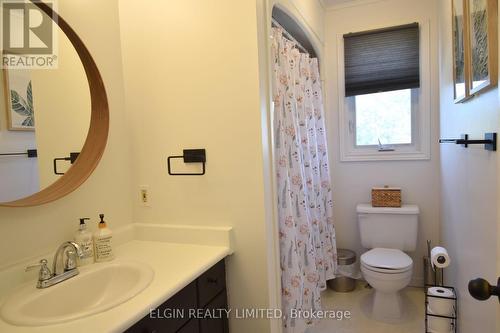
(352,181)
(469,180)
(313,15)
(18,175)
(62,102)
(192,81)
(200,83)
(27,232)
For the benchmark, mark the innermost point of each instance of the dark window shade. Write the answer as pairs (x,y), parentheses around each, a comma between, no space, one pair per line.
(382,60)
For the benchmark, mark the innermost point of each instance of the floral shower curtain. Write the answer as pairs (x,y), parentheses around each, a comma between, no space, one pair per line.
(308,253)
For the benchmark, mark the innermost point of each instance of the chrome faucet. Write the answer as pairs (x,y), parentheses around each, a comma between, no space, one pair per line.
(46,278)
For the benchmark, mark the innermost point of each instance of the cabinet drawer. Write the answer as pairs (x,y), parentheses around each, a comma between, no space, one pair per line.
(177,307)
(211,283)
(216,325)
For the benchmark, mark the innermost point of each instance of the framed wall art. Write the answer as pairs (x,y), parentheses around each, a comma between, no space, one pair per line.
(475,47)
(482,16)
(19,97)
(459,69)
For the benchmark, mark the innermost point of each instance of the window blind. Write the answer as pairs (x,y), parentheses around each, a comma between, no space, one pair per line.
(382,60)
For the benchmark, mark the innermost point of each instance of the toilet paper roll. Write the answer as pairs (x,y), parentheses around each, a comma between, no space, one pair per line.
(440,257)
(441,306)
(439,325)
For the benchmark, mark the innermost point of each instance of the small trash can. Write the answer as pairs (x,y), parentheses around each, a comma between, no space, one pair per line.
(343,282)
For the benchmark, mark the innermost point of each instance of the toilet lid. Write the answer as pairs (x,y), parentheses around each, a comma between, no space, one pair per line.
(386,259)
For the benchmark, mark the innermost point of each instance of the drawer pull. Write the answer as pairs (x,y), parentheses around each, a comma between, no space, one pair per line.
(212,280)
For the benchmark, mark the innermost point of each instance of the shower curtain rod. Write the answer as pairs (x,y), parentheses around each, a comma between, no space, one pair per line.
(289,36)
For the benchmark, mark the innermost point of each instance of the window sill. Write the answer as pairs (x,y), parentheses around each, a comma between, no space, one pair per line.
(374,155)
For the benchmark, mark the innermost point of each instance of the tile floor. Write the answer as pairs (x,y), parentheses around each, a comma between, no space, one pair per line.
(357,303)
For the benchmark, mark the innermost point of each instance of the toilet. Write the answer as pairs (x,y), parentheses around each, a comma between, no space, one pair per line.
(388,233)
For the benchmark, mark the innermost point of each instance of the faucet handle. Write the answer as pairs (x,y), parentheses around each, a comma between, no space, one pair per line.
(40,264)
(44,273)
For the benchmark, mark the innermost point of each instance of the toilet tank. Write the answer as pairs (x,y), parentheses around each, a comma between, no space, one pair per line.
(393,228)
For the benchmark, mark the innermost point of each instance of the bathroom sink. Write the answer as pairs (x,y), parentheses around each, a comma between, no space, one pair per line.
(97,288)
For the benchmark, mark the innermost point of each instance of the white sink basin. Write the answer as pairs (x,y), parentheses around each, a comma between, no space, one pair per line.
(97,288)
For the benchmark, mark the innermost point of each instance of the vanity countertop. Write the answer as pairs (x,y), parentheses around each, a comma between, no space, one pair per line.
(175,265)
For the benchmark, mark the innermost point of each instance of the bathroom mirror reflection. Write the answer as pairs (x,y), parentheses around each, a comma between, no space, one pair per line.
(47,110)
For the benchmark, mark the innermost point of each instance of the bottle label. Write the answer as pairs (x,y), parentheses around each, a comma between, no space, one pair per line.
(103,249)
(87,249)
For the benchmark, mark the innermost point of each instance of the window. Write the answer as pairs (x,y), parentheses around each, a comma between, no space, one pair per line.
(383,118)
(384,97)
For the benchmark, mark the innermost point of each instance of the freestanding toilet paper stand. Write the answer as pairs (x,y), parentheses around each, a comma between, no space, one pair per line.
(428,315)
(434,277)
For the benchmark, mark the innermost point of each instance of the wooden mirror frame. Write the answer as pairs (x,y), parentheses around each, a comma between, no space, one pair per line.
(97,136)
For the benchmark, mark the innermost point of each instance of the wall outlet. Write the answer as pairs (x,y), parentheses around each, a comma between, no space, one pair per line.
(144,196)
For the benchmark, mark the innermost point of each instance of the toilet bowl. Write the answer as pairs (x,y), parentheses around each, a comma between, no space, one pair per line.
(387,271)
(387,232)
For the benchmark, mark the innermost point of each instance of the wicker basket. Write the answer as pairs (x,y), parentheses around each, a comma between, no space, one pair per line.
(386,197)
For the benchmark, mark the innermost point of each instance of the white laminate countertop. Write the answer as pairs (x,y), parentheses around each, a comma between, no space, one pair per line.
(175,266)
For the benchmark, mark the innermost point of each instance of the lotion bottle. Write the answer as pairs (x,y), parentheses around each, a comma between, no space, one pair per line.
(103,242)
(83,238)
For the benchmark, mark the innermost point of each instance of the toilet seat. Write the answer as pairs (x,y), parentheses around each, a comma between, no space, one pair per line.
(388,261)
(385,270)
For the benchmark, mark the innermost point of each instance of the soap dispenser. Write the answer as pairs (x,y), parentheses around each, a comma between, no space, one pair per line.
(83,238)
(102,242)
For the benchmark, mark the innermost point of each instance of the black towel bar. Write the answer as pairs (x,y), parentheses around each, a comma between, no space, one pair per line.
(489,142)
(30,153)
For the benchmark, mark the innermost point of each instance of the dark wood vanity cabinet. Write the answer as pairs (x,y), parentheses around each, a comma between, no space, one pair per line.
(198,308)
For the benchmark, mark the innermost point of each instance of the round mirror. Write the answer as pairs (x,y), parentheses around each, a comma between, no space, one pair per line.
(53,119)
